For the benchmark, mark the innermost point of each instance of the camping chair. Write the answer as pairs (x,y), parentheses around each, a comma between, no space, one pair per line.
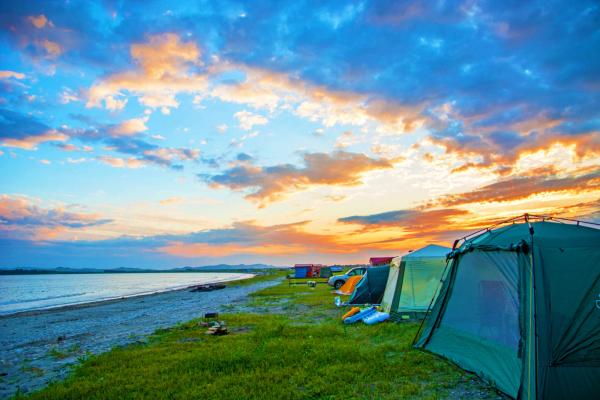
(209,317)
(215,327)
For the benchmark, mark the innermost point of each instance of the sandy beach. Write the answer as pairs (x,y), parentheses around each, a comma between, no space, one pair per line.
(40,346)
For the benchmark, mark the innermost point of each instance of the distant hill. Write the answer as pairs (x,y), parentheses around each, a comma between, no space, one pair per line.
(227,267)
(205,268)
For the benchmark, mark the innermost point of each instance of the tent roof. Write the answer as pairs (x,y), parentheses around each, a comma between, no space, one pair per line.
(380,260)
(548,233)
(307,265)
(431,250)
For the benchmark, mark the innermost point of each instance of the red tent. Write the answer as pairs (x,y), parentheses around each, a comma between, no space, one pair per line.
(376,261)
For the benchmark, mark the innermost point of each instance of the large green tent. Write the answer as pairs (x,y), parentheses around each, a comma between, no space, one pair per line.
(369,290)
(413,281)
(519,307)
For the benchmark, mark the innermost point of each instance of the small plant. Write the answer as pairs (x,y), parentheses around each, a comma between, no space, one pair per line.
(84,357)
(33,370)
(58,354)
(75,348)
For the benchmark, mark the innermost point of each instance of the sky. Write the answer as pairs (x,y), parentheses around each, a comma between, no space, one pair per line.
(160,134)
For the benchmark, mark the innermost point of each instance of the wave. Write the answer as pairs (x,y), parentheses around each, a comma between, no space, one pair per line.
(4,303)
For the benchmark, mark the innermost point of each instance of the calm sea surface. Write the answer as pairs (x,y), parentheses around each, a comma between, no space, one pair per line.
(32,292)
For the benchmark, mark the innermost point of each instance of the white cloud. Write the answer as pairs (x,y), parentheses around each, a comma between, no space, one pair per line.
(346,139)
(247,119)
(222,128)
(114,104)
(67,96)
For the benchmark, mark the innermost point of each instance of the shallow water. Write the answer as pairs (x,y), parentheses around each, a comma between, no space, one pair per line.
(34,292)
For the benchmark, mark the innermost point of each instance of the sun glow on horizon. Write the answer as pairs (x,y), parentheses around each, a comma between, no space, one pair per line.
(150,141)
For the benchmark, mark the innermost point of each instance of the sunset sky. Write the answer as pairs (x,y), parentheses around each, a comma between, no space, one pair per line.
(161,134)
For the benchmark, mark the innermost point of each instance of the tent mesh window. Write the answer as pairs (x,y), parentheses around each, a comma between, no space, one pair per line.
(421,279)
(480,326)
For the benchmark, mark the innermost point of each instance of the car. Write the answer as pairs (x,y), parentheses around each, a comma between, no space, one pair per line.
(337,281)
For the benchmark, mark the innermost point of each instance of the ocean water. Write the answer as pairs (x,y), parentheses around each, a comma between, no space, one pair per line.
(34,292)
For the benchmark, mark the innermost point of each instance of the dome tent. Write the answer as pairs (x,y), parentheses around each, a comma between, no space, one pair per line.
(518,307)
(369,290)
(413,281)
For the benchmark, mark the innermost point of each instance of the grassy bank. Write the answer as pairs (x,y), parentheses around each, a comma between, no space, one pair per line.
(295,348)
(260,276)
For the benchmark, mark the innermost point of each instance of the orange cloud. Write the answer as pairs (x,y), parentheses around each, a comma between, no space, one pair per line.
(545,190)
(498,145)
(68,147)
(20,218)
(209,250)
(31,142)
(52,49)
(249,238)
(164,70)
(129,127)
(11,74)
(170,154)
(171,200)
(413,220)
(39,21)
(122,162)
(164,55)
(272,183)
(517,188)
(267,89)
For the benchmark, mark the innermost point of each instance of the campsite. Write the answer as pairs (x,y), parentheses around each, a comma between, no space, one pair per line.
(475,309)
(300,199)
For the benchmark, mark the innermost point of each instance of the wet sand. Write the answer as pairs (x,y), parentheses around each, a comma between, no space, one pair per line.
(32,343)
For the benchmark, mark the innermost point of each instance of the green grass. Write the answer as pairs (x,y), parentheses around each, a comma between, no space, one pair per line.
(61,354)
(32,370)
(58,354)
(262,276)
(299,351)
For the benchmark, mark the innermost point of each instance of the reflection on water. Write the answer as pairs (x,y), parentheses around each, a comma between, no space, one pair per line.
(31,292)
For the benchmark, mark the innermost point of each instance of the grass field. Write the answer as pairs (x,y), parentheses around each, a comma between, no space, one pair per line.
(299,349)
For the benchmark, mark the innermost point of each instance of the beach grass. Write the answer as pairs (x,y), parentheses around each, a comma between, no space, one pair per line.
(297,350)
(261,276)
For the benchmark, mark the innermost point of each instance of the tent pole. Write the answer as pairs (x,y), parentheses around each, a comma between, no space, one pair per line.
(432,298)
(534,303)
(527,217)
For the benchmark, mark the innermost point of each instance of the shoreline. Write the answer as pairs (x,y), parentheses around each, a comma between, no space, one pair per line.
(110,300)
(39,347)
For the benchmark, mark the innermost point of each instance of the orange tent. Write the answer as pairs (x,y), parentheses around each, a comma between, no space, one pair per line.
(348,287)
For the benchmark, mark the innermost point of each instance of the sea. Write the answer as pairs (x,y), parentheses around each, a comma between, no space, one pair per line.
(36,292)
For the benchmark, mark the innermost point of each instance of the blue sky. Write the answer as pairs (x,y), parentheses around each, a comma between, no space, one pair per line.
(157,135)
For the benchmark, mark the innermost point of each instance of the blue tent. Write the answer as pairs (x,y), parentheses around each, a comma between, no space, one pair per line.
(300,271)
